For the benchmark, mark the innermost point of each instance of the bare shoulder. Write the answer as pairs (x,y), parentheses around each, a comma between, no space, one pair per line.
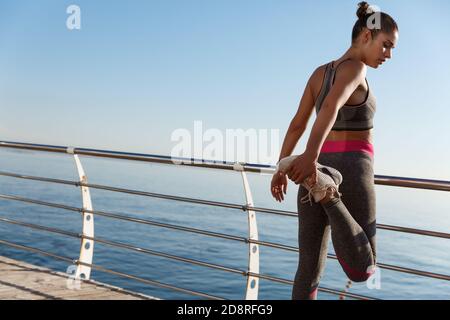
(316,79)
(318,74)
(352,69)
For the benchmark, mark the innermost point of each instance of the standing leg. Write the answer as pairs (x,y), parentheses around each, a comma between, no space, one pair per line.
(314,233)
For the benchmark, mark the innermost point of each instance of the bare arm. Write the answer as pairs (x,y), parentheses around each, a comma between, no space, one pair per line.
(295,131)
(298,123)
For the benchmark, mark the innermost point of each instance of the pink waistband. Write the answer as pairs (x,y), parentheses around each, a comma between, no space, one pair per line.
(347,146)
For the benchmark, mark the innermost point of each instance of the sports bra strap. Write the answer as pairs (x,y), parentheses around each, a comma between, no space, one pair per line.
(334,70)
(326,85)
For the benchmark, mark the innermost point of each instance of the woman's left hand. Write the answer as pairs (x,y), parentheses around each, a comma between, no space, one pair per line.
(304,167)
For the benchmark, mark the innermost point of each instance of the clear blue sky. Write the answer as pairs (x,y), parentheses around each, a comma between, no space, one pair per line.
(138,70)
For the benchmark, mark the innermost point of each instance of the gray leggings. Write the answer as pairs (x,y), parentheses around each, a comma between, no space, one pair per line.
(351,220)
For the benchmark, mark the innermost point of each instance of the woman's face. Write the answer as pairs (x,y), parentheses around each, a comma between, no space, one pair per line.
(379,49)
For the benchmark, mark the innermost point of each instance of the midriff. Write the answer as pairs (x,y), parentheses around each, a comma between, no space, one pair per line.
(365,135)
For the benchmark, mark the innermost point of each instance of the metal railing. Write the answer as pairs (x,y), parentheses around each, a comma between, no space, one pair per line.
(84,263)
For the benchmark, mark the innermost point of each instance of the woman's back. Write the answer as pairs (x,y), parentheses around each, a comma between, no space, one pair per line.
(354,120)
(358,96)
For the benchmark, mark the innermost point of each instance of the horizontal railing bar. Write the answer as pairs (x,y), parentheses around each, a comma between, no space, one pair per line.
(414,271)
(193,162)
(42,179)
(274,211)
(48,254)
(33,146)
(153,282)
(322,289)
(170,226)
(380,265)
(244,207)
(121,274)
(422,232)
(151,194)
(124,246)
(168,197)
(128,191)
(416,183)
(128,218)
(42,228)
(169,256)
(249,167)
(259,242)
(274,245)
(42,203)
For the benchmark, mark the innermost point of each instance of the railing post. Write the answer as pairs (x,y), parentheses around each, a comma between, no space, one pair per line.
(251,292)
(87,245)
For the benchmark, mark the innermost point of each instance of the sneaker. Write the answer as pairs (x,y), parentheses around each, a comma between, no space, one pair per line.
(328,181)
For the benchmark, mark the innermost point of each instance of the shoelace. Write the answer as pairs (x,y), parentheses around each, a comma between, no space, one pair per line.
(307,198)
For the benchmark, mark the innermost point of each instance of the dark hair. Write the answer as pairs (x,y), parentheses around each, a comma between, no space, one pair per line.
(387,23)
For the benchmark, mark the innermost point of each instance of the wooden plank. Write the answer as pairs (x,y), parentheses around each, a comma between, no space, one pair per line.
(60,290)
(23,281)
(19,292)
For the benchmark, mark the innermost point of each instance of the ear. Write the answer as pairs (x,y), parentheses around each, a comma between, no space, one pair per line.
(366,35)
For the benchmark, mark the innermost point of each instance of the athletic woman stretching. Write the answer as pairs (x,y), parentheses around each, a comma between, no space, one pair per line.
(335,172)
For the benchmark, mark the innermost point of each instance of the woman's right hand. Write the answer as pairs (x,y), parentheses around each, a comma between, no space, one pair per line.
(278,186)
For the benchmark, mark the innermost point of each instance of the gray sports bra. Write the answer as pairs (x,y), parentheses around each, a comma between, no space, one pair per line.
(350,117)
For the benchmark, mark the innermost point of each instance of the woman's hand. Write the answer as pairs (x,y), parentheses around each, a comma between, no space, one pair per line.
(278,186)
(303,167)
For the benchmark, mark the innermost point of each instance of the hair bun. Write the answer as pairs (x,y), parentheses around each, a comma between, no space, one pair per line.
(362,9)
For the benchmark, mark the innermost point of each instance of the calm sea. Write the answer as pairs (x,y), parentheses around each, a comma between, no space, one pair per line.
(397,206)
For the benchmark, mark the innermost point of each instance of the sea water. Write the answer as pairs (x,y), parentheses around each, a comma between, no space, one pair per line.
(422,209)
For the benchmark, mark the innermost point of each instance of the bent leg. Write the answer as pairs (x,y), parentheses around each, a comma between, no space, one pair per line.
(352,218)
(351,243)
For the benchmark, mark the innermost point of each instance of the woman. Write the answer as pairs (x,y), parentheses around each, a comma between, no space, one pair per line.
(341,138)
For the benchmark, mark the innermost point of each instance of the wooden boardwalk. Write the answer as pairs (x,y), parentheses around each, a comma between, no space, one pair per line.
(23,281)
